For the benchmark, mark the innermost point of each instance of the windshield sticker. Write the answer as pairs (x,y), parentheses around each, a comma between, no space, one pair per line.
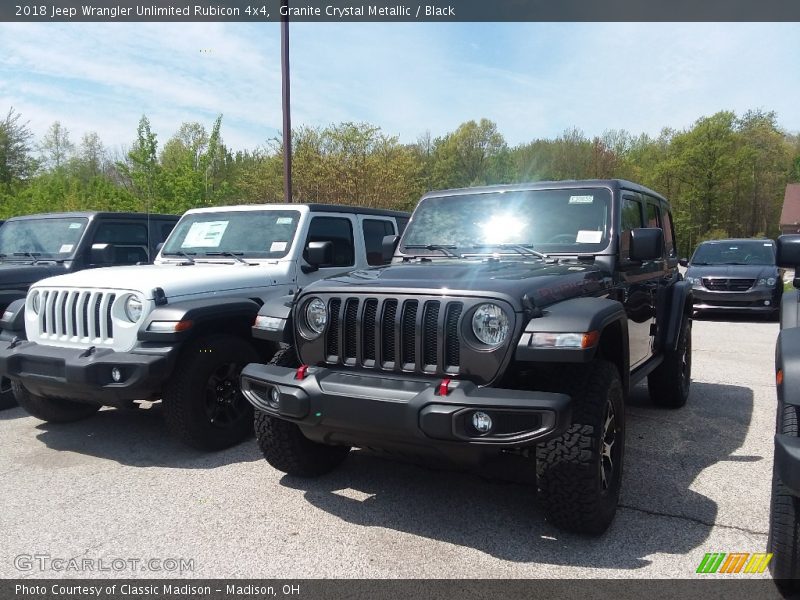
(75,225)
(278,247)
(205,235)
(284,221)
(581,199)
(768,245)
(65,248)
(589,237)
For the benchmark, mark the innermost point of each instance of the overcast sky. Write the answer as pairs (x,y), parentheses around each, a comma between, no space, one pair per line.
(533,79)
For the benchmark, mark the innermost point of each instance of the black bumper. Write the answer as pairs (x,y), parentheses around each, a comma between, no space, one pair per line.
(75,374)
(787,461)
(761,300)
(404,414)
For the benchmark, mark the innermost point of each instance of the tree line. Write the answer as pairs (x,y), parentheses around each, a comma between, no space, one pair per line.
(725,175)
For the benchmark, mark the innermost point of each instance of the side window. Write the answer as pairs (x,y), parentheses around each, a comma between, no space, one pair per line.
(653,218)
(166,228)
(402,222)
(374,232)
(337,230)
(631,219)
(128,239)
(669,233)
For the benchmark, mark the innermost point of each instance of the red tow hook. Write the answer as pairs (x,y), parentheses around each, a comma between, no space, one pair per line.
(302,371)
(444,387)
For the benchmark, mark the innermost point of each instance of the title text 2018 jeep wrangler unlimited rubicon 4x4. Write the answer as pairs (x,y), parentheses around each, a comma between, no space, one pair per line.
(508,331)
(34,247)
(180,329)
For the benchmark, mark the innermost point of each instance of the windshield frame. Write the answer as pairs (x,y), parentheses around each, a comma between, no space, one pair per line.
(47,256)
(216,253)
(410,248)
(753,242)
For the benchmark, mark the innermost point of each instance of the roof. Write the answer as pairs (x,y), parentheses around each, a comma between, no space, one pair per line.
(614,184)
(737,241)
(91,214)
(305,207)
(790,215)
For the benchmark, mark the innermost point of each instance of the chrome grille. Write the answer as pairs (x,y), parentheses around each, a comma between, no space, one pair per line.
(370,332)
(76,315)
(720,284)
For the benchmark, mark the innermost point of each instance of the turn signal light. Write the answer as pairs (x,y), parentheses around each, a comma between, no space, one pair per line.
(779,377)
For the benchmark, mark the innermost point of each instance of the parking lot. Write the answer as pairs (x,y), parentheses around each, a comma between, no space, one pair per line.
(697,480)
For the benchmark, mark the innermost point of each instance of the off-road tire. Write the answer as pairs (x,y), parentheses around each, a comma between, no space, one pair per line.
(52,410)
(784,518)
(570,467)
(189,403)
(283,443)
(7,399)
(669,383)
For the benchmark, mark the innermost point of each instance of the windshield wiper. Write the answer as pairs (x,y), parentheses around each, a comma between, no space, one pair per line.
(34,256)
(520,248)
(446,250)
(234,255)
(181,254)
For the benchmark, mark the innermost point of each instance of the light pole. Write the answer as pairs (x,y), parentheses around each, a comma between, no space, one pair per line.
(287,118)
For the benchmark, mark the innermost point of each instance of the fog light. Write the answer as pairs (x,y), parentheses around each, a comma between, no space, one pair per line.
(481,422)
(116,375)
(274,397)
(767,302)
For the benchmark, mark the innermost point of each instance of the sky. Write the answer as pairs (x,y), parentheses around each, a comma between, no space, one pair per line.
(533,79)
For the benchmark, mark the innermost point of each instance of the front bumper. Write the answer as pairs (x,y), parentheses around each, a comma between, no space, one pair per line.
(77,374)
(406,415)
(787,461)
(754,300)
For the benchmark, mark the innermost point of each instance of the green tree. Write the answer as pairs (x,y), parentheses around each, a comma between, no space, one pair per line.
(56,147)
(16,163)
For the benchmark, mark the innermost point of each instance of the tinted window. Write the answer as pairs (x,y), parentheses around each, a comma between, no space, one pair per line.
(374,232)
(669,233)
(653,219)
(738,252)
(631,219)
(129,241)
(166,229)
(44,238)
(337,230)
(258,234)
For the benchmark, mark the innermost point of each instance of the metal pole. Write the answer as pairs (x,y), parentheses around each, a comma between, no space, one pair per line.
(287,119)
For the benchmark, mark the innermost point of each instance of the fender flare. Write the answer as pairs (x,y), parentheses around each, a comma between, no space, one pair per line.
(677,308)
(787,359)
(790,309)
(197,312)
(14,326)
(281,328)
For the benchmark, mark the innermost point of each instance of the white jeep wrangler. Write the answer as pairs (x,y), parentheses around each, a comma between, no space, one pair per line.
(180,329)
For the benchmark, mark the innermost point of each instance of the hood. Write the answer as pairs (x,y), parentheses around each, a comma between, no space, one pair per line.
(22,274)
(733,271)
(175,280)
(543,283)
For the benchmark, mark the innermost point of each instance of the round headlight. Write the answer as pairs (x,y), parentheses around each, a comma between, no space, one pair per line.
(316,315)
(490,324)
(771,281)
(133,309)
(36,299)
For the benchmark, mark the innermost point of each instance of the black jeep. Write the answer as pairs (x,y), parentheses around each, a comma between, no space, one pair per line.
(505,336)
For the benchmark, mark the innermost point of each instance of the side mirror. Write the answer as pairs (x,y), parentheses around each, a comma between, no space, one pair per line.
(788,253)
(319,253)
(684,262)
(388,246)
(101,255)
(647,243)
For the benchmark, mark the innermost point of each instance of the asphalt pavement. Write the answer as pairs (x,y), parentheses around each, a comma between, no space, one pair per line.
(116,488)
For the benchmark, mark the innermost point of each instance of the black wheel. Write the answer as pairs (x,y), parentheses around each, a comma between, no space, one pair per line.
(53,410)
(580,472)
(669,383)
(784,518)
(203,401)
(283,443)
(7,399)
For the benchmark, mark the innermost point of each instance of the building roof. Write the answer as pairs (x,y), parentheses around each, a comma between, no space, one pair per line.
(790,215)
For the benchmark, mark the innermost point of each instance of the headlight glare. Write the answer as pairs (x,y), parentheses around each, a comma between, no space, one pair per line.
(133,308)
(490,324)
(316,316)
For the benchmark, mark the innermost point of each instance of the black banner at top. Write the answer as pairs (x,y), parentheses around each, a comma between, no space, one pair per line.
(400,11)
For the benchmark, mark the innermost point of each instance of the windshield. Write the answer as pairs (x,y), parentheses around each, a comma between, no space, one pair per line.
(257,234)
(745,252)
(54,239)
(551,221)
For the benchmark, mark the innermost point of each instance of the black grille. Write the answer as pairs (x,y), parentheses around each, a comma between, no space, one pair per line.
(719,284)
(392,334)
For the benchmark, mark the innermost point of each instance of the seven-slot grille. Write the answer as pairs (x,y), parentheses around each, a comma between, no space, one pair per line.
(77,315)
(395,334)
(719,284)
